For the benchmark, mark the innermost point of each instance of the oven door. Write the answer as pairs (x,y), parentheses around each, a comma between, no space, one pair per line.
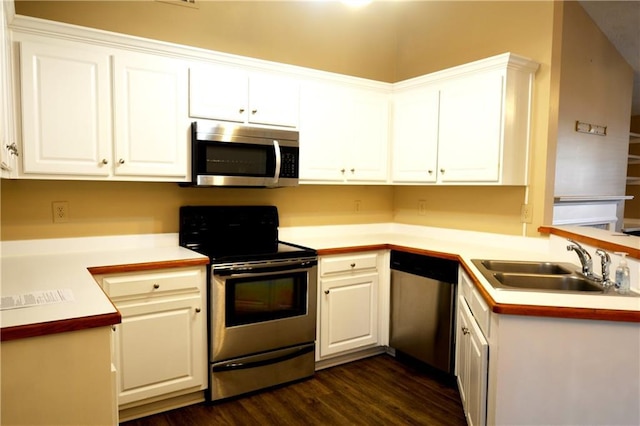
(262,306)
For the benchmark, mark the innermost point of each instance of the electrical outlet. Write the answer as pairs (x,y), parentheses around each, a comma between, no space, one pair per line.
(60,211)
(526,214)
(422,207)
(357,205)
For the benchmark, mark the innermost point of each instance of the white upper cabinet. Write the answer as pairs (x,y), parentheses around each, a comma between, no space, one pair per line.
(108,107)
(66,109)
(465,125)
(344,133)
(92,113)
(470,129)
(415,136)
(227,93)
(151,119)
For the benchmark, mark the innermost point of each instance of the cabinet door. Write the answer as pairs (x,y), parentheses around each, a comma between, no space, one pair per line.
(344,134)
(368,159)
(415,136)
(273,100)
(324,137)
(66,109)
(470,134)
(473,355)
(151,118)
(348,313)
(8,143)
(218,93)
(159,347)
(462,352)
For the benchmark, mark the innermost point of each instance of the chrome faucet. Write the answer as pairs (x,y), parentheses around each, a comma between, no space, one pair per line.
(605,262)
(584,256)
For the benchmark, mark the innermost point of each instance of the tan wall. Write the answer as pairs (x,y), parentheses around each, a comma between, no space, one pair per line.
(485,209)
(106,208)
(596,85)
(63,376)
(322,35)
(386,41)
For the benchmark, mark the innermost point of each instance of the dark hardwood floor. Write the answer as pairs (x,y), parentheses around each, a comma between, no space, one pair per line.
(374,391)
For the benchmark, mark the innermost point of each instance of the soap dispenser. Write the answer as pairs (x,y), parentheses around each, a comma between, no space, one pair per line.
(623,279)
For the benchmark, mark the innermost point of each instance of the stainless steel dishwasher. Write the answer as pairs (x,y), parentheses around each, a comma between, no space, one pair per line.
(423,298)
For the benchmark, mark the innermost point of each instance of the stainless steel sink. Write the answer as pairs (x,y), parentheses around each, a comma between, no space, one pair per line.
(557,277)
(536,276)
(546,268)
(548,282)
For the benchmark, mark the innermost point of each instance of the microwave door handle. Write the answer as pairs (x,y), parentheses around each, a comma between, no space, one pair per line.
(276,147)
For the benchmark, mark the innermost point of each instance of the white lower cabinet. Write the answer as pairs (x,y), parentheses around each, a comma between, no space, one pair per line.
(472,354)
(160,346)
(349,303)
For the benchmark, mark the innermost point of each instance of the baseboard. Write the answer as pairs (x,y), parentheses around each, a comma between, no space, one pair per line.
(353,356)
(158,406)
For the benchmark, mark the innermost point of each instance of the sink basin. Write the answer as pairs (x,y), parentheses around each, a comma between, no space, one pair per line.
(513,266)
(547,282)
(536,276)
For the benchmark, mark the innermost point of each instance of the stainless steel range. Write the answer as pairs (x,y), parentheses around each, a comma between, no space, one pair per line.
(262,298)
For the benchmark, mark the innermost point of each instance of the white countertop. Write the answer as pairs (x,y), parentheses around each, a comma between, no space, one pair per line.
(467,245)
(38,265)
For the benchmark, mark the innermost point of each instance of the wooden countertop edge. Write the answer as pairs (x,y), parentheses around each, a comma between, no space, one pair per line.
(148,266)
(605,245)
(503,308)
(61,326)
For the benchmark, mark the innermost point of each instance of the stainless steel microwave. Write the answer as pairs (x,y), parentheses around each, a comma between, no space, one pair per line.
(243,156)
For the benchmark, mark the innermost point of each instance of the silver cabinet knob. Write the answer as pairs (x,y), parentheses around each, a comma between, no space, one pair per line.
(13,149)
(121,161)
(156,286)
(104,161)
(326,292)
(198,310)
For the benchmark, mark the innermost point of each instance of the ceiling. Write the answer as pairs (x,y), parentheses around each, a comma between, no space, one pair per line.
(620,22)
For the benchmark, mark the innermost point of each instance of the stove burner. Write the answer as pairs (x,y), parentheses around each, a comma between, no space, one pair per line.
(236,234)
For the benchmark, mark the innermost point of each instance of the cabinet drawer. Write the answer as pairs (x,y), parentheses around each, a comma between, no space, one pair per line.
(148,284)
(348,263)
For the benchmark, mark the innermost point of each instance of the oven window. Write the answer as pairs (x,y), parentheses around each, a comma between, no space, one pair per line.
(252,300)
(237,160)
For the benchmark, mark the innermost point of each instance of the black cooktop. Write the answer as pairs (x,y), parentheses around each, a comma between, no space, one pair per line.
(236,234)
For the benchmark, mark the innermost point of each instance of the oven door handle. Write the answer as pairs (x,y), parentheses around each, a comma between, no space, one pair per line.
(262,268)
(236,365)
